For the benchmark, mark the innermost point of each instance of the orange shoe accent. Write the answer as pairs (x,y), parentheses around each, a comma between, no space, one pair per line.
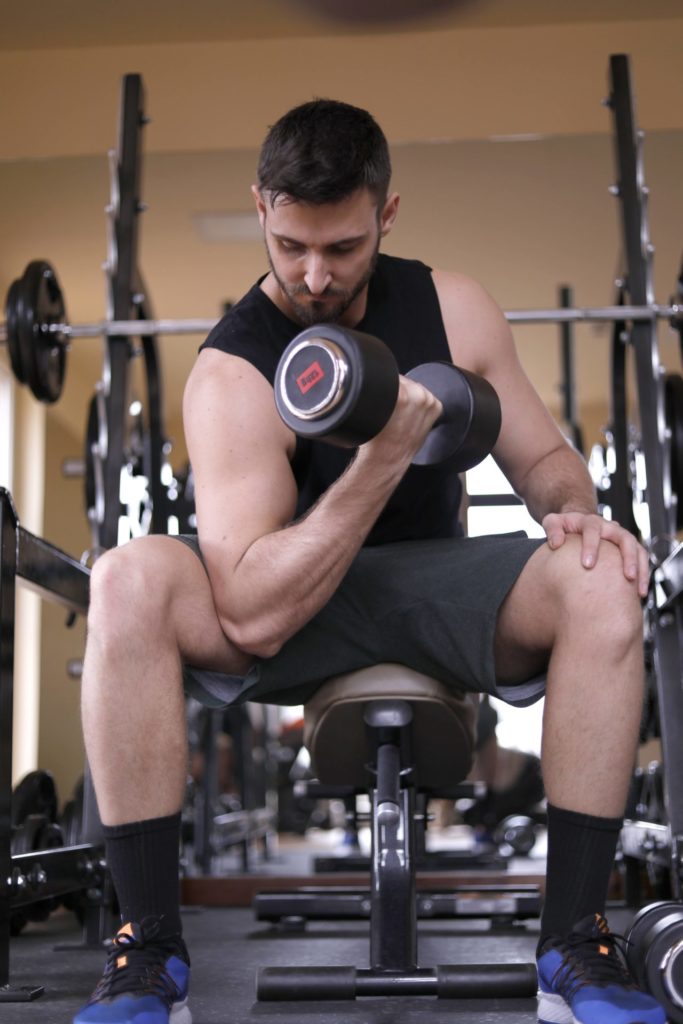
(126,929)
(604,950)
(122,961)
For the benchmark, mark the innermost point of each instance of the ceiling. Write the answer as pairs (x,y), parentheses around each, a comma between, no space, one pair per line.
(42,24)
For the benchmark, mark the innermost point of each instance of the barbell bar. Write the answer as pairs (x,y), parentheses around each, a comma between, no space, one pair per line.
(37,332)
(202,325)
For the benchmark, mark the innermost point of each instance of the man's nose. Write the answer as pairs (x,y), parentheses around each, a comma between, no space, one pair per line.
(317,276)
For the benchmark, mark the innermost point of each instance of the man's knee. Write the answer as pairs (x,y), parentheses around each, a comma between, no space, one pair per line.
(126,590)
(600,597)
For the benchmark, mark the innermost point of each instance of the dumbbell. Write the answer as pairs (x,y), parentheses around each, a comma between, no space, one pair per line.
(516,834)
(340,385)
(655,954)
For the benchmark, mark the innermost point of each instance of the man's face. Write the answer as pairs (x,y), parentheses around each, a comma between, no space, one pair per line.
(322,257)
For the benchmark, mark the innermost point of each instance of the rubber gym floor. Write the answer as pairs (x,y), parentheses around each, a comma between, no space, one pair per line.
(227,946)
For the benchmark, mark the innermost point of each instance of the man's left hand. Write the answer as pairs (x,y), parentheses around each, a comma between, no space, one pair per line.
(593,528)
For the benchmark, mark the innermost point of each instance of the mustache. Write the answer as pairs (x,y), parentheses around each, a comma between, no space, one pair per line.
(329,293)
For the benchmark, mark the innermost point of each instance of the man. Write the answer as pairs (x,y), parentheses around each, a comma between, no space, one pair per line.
(315,561)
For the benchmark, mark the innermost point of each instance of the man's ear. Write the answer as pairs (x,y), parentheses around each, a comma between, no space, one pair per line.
(260,205)
(389,214)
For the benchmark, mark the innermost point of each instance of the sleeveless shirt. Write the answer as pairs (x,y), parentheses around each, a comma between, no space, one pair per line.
(403,311)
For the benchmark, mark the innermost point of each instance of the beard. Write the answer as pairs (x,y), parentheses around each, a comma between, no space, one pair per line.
(330,306)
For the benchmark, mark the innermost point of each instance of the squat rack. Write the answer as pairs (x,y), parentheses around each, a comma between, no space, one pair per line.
(661,844)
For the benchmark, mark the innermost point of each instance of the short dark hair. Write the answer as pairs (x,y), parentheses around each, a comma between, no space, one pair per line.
(322,152)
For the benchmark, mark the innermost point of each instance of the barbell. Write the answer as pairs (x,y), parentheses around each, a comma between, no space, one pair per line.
(37,332)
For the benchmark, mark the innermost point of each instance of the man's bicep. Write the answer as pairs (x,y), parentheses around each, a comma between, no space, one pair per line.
(238,448)
(244,506)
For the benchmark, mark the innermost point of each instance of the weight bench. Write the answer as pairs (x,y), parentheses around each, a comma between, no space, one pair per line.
(395,732)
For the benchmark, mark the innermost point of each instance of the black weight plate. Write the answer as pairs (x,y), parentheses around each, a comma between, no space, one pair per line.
(71,823)
(665,969)
(655,955)
(26,308)
(468,428)
(448,434)
(92,433)
(71,818)
(36,833)
(36,793)
(638,934)
(12,316)
(50,837)
(673,404)
(367,399)
(25,838)
(44,354)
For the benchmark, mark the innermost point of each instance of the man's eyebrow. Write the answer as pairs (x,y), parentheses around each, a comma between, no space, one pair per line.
(339,241)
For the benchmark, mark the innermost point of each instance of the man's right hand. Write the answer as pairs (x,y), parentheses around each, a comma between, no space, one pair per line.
(415,413)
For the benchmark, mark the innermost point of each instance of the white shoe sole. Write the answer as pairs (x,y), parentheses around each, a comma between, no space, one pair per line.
(180,1013)
(552,1009)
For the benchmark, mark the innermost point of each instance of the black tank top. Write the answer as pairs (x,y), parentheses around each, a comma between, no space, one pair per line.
(403,310)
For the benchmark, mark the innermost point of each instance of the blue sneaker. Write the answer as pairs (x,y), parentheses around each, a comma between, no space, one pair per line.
(583,979)
(144,981)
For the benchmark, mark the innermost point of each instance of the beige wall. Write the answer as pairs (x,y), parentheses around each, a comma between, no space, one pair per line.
(523,217)
(450,84)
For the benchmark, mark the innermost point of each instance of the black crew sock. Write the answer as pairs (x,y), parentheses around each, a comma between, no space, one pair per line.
(143,857)
(581,849)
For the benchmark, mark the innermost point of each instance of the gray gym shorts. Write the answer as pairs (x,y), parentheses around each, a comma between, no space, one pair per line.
(431,605)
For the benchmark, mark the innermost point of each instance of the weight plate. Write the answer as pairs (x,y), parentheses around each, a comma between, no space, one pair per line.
(660,951)
(71,823)
(368,395)
(43,353)
(35,794)
(35,833)
(469,426)
(673,405)
(639,936)
(26,308)
(71,818)
(12,316)
(312,378)
(92,436)
(671,967)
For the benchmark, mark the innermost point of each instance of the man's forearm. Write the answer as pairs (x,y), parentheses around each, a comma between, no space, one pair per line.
(285,577)
(560,482)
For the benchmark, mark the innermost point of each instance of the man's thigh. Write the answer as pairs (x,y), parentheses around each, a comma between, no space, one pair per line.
(430,605)
(179,569)
(522,641)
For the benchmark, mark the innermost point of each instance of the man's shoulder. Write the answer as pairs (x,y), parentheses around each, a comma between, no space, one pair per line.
(461,289)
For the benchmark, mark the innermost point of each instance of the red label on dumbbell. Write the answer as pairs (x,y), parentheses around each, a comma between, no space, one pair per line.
(310,377)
